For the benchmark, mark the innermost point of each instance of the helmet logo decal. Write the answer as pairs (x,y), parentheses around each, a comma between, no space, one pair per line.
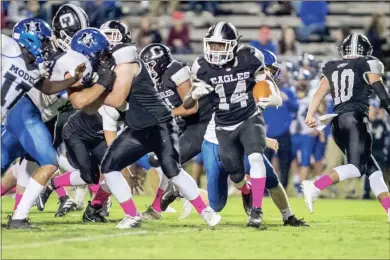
(156,52)
(66,20)
(87,40)
(33,27)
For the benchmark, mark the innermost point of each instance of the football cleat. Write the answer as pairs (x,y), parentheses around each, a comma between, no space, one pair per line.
(310,193)
(105,212)
(66,205)
(43,197)
(247,201)
(187,209)
(91,214)
(255,217)
(130,222)
(294,222)
(169,196)
(19,223)
(210,216)
(151,214)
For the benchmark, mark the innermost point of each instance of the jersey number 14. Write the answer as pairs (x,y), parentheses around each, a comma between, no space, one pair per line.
(344,91)
(239,95)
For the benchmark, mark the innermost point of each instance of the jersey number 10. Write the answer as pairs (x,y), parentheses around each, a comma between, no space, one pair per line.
(343,92)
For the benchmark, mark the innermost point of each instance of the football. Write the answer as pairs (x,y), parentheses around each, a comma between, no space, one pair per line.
(262,89)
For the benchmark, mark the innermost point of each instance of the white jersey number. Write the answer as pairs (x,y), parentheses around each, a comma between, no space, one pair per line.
(343,93)
(239,95)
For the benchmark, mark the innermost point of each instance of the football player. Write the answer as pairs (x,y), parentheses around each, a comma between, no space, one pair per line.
(150,128)
(351,81)
(22,130)
(49,105)
(173,82)
(229,72)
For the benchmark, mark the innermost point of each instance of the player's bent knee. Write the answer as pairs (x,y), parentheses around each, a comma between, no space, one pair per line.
(377,183)
(237,177)
(347,171)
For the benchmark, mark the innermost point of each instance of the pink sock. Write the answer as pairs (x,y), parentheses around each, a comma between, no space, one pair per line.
(323,182)
(61,192)
(246,189)
(258,186)
(157,200)
(100,197)
(18,197)
(62,180)
(198,204)
(129,207)
(13,189)
(3,190)
(94,188)
(386,203)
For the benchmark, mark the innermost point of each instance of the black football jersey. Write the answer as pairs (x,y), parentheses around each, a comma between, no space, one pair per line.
(176,74)
(145,107)
(232,83)
(348,82)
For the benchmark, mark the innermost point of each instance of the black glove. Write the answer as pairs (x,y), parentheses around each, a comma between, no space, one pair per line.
(106,75)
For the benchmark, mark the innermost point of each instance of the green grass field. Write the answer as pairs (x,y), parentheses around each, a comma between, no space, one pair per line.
(339,229)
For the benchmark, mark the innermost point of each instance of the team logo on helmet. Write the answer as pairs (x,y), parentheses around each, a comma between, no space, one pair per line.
(33,27)
(87,40)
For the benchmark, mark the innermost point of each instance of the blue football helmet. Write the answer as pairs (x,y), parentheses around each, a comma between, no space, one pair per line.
(271,62)
(92,43)
(35,35)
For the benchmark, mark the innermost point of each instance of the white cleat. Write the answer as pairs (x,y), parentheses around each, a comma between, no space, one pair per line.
(388,215)
(187,209)
(170,210)
(310,194)
(129,222)
(210,216)
(79,196)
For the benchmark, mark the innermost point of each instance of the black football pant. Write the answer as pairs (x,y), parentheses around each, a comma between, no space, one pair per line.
(351,134)
(284,156)
(85,152)
(190,141)
(247,138)
(131,145)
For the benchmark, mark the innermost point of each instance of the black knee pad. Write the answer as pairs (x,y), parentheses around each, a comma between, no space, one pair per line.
(90,175)
(237,177)
(153,160)
(170,167)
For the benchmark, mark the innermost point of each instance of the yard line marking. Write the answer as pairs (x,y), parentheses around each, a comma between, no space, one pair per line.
(89,238)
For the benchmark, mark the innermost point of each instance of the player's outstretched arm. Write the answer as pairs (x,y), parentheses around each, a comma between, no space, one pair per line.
(125,74)
(379,88)
(320,94)
(52,87)
(183,90)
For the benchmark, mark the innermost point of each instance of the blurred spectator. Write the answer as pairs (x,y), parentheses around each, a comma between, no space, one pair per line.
(265,41)
(156,7)
(16,12)
(201,6)
(35,9)
(375,35)
(288,44)
(3,24)
(147,34)
(179,35)
(101,11)
(277,7)
(313,16)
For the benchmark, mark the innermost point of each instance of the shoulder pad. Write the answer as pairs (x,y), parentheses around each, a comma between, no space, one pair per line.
(180,73)
(252,51)
(67,63)
(375,65)
(196,66)
(124,53)
(9,47)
